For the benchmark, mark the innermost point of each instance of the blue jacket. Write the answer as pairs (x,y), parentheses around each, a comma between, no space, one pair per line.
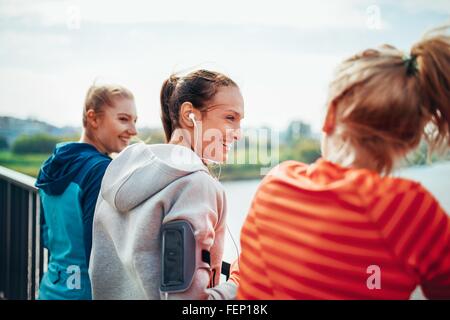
(69,183)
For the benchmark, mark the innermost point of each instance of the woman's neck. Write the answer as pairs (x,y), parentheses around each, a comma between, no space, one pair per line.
(360,164)
(346,155)
(183,137)
(86,138)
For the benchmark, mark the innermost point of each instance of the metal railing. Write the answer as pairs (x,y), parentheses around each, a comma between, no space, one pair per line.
(23,260)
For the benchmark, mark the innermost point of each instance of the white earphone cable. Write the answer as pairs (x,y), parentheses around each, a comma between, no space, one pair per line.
(234,242)
(192,117)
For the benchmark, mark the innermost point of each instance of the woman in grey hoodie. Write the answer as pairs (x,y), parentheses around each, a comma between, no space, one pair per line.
(149,187)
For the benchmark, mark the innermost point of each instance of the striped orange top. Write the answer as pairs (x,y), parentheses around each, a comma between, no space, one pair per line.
(322,231)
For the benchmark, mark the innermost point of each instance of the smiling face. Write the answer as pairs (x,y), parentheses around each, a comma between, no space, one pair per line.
(116,125)
(202,111)
(221,123)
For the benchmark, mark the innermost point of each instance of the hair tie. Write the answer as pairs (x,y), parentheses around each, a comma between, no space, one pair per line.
(410,63)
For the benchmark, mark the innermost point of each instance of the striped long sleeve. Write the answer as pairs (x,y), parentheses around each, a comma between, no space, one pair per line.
(327,232)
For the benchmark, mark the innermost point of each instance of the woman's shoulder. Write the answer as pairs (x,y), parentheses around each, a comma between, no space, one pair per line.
(291,166)
(80,151)
(325,176)
(205,180)
(285,170)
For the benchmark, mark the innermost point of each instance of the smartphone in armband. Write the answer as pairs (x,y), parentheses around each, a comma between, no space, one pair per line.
(177,256)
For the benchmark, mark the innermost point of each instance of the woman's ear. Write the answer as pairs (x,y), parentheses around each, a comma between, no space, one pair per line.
(330,119)
(92,118)
(185,110)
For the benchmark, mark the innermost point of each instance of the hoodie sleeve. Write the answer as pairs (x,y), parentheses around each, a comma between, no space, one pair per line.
(91,189)
(201,202)
(423,244)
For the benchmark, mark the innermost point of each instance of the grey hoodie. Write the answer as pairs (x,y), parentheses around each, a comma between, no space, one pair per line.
(143,188)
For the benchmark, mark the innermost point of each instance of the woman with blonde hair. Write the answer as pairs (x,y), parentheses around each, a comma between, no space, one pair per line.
(69,183)
(342,227)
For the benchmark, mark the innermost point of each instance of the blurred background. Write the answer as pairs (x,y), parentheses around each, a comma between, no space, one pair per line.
(281,53)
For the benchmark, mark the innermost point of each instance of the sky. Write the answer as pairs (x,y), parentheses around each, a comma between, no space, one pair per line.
(281,53)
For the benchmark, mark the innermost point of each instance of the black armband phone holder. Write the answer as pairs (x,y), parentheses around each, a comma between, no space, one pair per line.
(177,256)
(178,261)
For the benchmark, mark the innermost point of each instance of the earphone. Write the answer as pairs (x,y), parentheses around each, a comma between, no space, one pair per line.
(192,117)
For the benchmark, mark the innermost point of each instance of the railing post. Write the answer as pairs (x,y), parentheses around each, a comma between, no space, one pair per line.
(39,270)
(31,243)
(8,240)
(21,255)
(3,246)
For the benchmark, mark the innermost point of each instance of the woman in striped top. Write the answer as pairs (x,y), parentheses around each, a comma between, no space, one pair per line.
(342,228)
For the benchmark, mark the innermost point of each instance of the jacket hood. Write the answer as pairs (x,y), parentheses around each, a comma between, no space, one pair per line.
(63,165)
(140,171)
(350,186)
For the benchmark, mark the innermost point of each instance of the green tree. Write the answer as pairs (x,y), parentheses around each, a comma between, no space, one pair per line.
(304,150)
(38,143)
(3,143)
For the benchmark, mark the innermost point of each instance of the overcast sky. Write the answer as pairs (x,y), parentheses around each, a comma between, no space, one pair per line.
(281,53)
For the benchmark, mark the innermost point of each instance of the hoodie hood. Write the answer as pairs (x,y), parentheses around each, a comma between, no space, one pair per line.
(63,165)
(140,171)
(350,186)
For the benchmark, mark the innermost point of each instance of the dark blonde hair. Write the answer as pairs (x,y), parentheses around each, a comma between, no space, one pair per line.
(387,101)
(198,87)
(100,96)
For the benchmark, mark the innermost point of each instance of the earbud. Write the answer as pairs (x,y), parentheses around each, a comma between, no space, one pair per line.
(192,117)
